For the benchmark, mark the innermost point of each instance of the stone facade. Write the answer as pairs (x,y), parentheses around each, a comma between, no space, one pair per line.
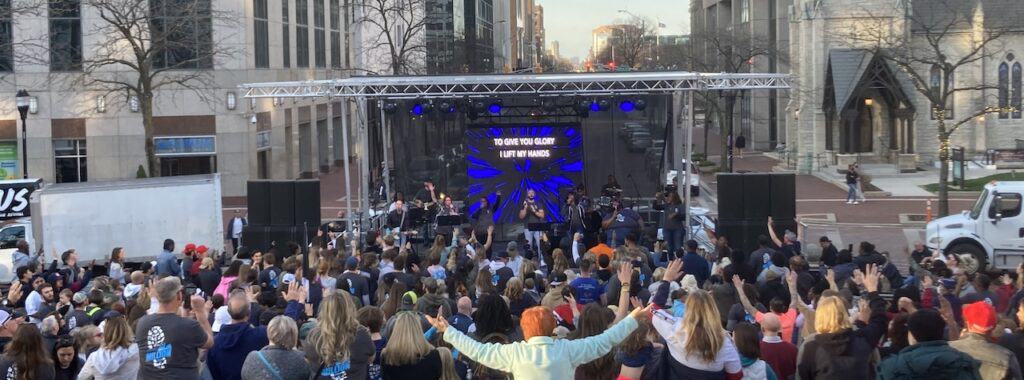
(823,35)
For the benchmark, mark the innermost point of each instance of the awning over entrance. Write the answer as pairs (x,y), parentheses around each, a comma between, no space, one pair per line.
(845,68)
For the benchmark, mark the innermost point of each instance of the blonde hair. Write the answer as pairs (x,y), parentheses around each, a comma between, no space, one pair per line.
(83,337)
(559,262)
(701,327)
(830,316)
(528,266)
(336,328)
(447,364)
(514,289)
(206,264)
(407,344)
(117,333)
(282,332)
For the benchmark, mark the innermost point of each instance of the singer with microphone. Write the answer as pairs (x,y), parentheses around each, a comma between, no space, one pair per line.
(530,214)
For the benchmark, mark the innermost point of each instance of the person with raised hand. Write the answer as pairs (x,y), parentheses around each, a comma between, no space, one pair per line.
(838,350)
(541,356)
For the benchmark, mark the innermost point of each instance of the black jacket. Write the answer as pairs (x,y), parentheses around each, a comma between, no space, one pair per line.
(845,354)
(828,256)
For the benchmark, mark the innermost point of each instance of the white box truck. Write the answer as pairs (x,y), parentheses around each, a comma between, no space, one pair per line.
(992,230)
(137,214)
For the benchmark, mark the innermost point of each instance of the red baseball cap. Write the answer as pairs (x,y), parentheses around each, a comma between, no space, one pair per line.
(202,249)
(190,247)
(980,314)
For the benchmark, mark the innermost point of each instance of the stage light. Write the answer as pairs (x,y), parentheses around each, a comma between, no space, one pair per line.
(640,104)
(494,108)
(594,106)
(627,106)
(604,104)
(417,109)
(447,106)
(390,108)
(478,106)
(548,105)
(583,108)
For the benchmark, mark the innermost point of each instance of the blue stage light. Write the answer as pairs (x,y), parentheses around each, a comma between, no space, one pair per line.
(417,109)
(494,108)
(595,107)
(627,106)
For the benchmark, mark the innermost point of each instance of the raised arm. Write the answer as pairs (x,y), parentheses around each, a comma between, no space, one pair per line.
(830,276)
(738,283)
(490,238)
(771,233)
(795,301)
(491,355)
(625,274)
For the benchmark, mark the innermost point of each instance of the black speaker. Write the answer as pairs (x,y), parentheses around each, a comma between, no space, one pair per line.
(783,196)
(255,236)
(258,200)
(307,202)
(730,196)
(756,198)
(742,234)
(282,203)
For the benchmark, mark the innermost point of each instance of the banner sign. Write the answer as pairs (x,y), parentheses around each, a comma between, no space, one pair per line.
(14,198)
(9,160)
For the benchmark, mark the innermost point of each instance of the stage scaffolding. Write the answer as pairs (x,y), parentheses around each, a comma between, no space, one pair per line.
(363,88)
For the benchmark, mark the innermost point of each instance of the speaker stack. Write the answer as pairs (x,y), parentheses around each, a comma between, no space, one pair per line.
(281,212)
(746,200)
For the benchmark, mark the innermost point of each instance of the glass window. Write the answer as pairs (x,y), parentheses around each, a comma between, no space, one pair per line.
(6,37)
(1004,89)
(199,145)
(319,37)
(70,160)
(182,33)
(335,34)
(301,33)
(65,35)
(261,33)
(744,10)
(9,237)
(1015,98)
(286,36)
(939,88)
(1009,205)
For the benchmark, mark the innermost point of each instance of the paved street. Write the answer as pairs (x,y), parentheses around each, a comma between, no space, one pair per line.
(876,220)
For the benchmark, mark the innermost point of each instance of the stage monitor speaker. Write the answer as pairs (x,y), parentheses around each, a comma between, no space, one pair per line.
(258,202)
(730,196)
(783,196)
(255,237)
(282,203)
(307,202)
(756,198)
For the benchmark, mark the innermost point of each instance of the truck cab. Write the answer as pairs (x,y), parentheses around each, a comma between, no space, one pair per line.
(992,230)
(9,235)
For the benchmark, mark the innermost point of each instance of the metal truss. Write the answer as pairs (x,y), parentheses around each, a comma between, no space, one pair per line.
(590,84)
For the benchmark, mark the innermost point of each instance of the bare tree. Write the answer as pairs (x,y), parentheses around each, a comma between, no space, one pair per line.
(943,41)
(396,33)
(149,45)
(726,51)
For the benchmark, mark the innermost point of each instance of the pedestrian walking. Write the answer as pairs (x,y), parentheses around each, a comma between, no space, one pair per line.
(852,184)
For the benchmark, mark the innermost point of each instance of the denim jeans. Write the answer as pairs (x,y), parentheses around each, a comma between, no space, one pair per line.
(533,239)
(851,194)
(674,239)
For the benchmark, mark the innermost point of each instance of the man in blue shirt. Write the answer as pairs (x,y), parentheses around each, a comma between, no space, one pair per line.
(22,257)
(587,289)
(166,263)
(694,264)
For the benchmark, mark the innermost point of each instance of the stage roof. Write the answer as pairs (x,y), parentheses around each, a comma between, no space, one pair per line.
(449,86)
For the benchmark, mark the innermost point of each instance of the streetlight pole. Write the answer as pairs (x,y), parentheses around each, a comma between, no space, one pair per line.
(22,100)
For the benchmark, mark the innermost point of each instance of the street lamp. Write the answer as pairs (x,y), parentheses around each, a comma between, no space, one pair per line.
(23,101)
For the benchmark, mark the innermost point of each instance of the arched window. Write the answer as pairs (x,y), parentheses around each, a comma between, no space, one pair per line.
(939,88)
(1015,97)
(1004,89)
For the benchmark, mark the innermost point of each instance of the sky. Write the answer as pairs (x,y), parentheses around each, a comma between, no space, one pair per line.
(570,21)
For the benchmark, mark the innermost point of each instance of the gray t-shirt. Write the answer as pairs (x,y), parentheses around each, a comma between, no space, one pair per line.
(9,370)
(169,347)
(361,350)
(289,364)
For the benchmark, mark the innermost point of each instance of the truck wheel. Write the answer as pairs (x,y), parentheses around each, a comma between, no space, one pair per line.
(973,250)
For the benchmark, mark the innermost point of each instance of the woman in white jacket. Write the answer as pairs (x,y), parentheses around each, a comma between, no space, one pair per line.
(117,358)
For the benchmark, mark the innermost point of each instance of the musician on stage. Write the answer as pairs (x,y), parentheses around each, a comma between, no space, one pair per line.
(447,209)
(399,223)
(532,212)
(612,188)
(621,221)
(483,217)
(425,197)
(575,215)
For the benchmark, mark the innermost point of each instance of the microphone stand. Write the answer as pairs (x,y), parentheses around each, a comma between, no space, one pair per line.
(635,187)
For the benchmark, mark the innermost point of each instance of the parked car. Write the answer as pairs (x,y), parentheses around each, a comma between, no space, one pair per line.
(627,129)
(639,140)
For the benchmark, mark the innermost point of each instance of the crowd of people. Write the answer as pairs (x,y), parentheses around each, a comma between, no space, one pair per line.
(376,306)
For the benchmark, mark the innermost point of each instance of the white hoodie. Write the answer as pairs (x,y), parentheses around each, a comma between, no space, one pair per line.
(105,364)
